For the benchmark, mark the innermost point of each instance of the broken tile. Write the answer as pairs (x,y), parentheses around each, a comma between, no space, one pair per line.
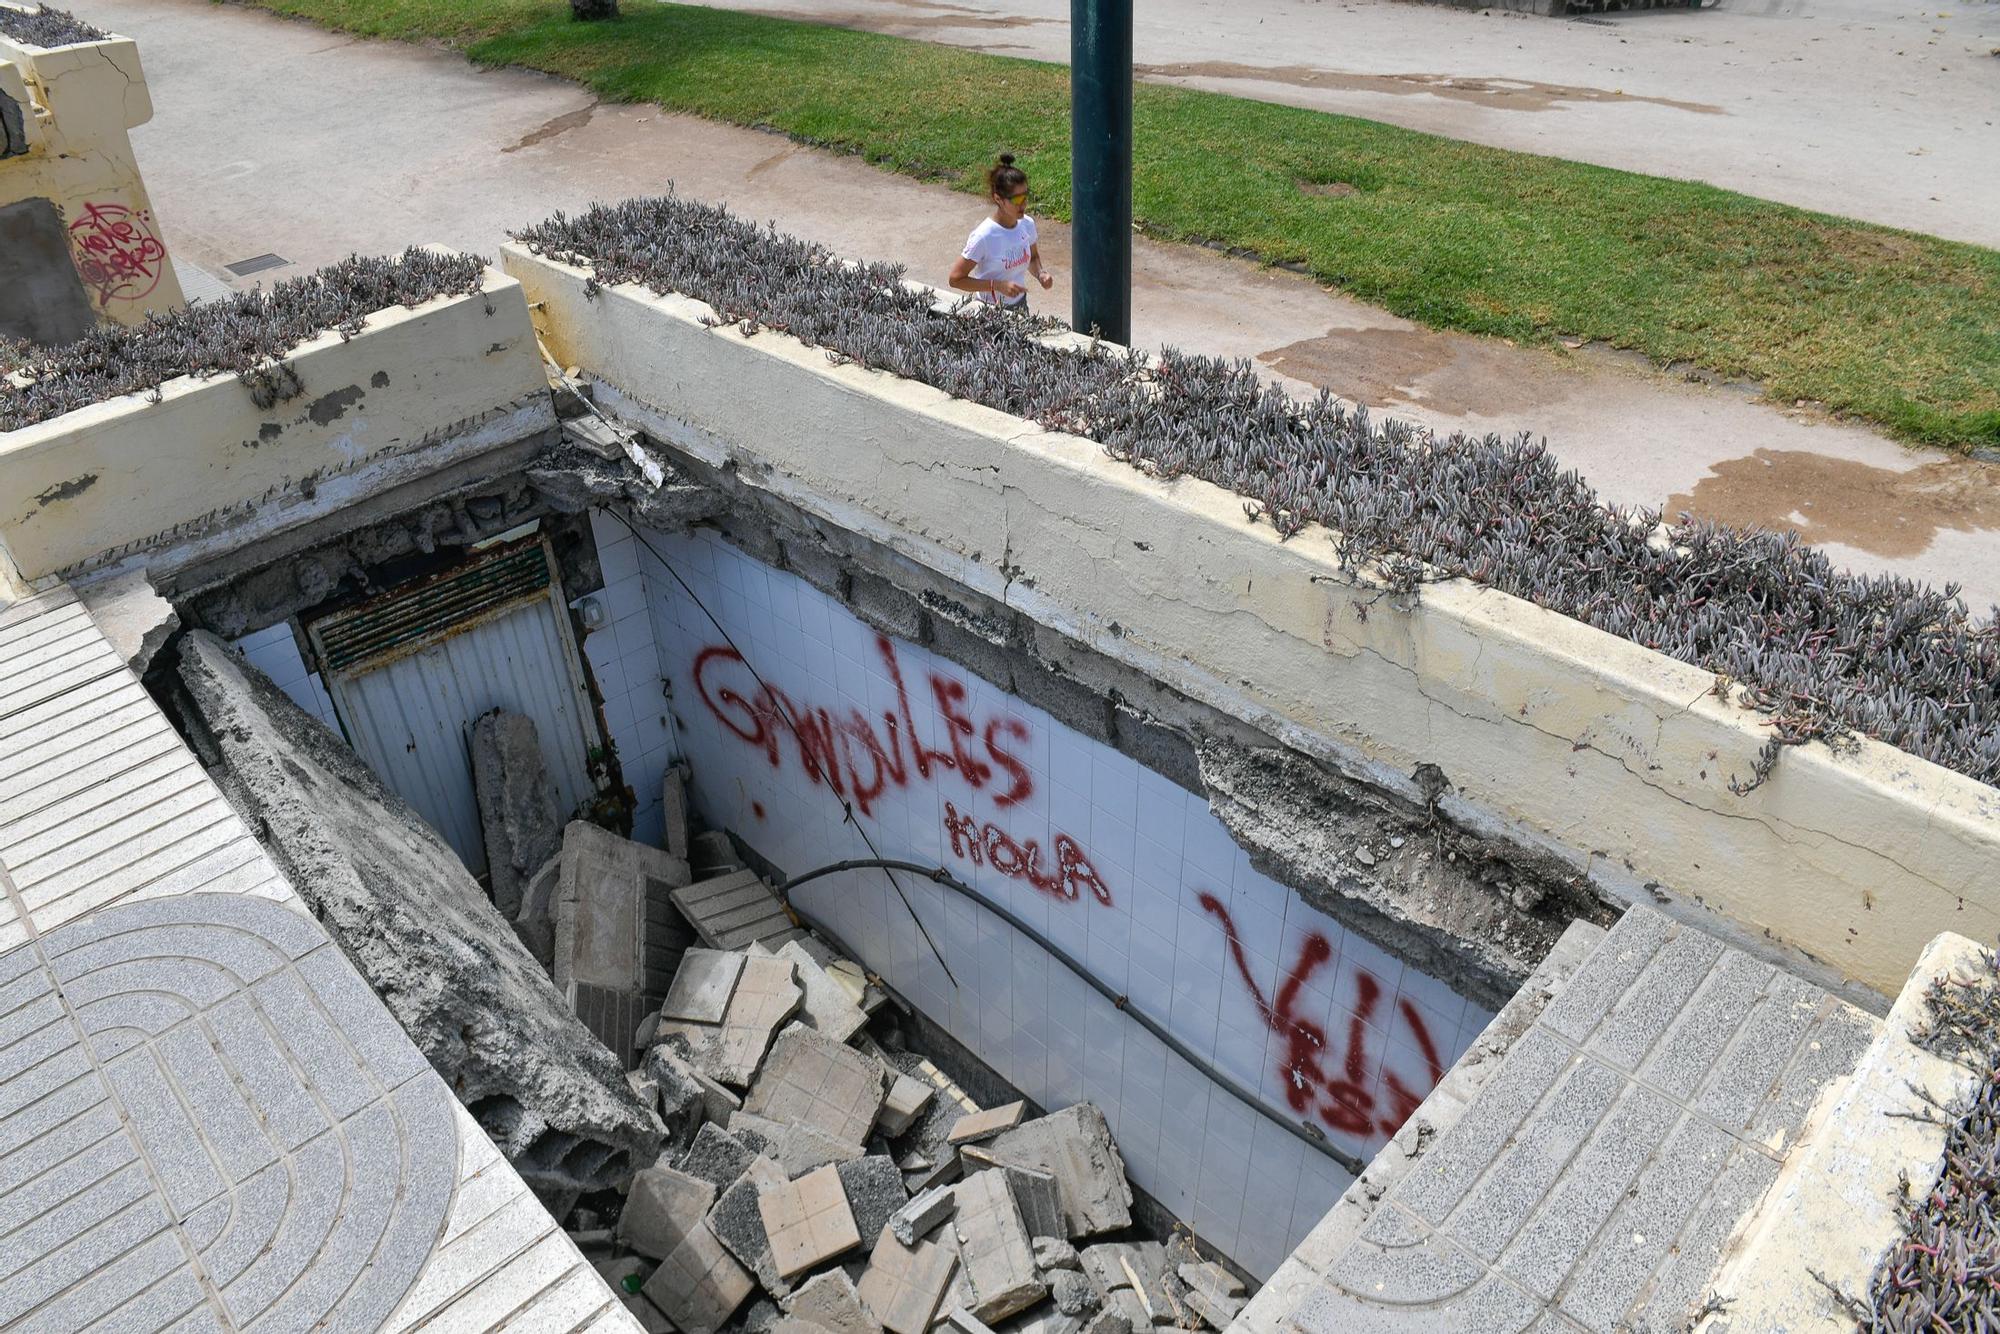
(816,1081)
(874,1191)
(804,1148)
(984,1125)
(830,1301)
(702,986)
(904,1284)
(808,1221)
(738,1221)
(1076,1148)
(993,1245)
(766,996)
(729,911)
(906,1100)
(699,1285)
(716,1156)
(828,1008)
(662,1207)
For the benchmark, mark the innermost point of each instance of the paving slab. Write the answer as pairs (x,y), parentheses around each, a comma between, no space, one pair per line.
(699,1285)
(730,911)
(738,1221)
(905,1101)
(993,1245)
(702,986)
(985,1125)
(875,1191)
(903,1285)
(818,1082)
(661,1208)
(766,996)
(808,1221)
(829,1008)
(1598,1173)
(1076,1147)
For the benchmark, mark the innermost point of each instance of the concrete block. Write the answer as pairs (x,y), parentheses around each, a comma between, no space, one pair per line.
(808,1221)
(1076,1148)
(830,1301)
(923,1214)
(674,810)
(766,996)
(702,986)
(518,815)
(906,1100)
(985,1125)
(875,1191)
(716,1156)
(993,1244)
(828,1007)
(699,1285)
(904,1284)
(661,1209)
(817,1082)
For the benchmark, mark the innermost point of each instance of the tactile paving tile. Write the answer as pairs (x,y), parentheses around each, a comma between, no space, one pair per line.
(207,1121)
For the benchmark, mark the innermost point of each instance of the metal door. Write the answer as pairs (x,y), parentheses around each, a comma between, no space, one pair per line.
(410,670)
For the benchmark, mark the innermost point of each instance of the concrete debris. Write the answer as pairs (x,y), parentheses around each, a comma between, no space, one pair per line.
(518,814)
(617,1273)
(732,910)
(687,1096)
(135,618)
(907,1098)
(1038,1198)
(1073,1293)
(1109,1321)
(808,1221)
(965,1322)
(815,1081)
(711,854)
(761,1316)
(738,1221)
(985,1125)
(535,922)
(1074,1146)
(674,810)
(649,1028)
(619,938)
(661,1208)
(993,1245)
(923,1214)
(702,986)
(1213,1279)
(830,1302)
(904,1284)
(802,1148)
(650,1317)
(828,1007)
(1138,1271)
(1052,1253)
(700,1284)
(766,996)
(875,1191)
(717,1157)
(422,931)
(1217,1311)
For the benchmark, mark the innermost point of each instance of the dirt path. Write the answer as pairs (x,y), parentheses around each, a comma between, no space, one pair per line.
(272,136)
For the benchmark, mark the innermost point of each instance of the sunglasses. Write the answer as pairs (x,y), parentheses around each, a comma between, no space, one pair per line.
(1021,198)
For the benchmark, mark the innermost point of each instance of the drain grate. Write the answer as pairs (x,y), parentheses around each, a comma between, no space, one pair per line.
(243,268)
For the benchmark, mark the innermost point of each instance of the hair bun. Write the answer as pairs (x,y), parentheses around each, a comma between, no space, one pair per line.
(1006,159)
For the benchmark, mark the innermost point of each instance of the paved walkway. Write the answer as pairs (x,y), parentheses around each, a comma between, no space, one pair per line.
(207,1119)
(1869,109)
(273,136)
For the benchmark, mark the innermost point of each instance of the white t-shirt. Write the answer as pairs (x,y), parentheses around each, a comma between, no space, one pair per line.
(1001,253)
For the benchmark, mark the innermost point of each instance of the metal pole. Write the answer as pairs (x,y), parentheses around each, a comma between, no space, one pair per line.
(1100,130)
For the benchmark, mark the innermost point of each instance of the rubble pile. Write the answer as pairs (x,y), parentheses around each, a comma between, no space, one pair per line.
(817,1177)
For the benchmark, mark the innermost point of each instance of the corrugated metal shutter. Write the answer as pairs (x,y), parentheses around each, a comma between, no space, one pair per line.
(410,670)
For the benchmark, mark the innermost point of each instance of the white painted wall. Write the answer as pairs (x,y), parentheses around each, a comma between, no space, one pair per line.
(1245,1185)
(626,664)
(274,651)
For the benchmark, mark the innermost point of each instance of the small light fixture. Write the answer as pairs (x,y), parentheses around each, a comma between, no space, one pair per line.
(592,612)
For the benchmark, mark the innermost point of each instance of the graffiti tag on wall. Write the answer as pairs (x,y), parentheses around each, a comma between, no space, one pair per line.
(117,255)
(860,758)
(1320,1080)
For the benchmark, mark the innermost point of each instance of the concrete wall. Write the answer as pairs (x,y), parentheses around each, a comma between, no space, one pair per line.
(1616,757)
(1155,892)
(77,105)
(205,468)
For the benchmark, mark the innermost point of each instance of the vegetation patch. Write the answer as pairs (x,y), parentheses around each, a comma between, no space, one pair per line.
(46,27)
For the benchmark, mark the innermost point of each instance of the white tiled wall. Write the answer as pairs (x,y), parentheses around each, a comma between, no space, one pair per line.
(1245,1184)
(626,664)
(275,652)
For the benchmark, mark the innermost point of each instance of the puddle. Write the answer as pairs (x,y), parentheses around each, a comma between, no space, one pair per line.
(1377,366)
(1506,94)
(1877,510)
(555,125)
(894,25)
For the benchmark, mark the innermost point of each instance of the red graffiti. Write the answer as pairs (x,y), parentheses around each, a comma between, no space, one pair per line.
(1341,1099)
(993,846)
(860,757)
(116,252)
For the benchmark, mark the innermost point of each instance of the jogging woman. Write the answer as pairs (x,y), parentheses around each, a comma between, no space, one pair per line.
(1000,254)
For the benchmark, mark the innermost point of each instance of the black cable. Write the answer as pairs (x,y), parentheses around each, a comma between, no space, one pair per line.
(939,875)
(805,751)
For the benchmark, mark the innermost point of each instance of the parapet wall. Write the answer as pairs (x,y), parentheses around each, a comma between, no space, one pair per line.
(218,462)
(1616,758)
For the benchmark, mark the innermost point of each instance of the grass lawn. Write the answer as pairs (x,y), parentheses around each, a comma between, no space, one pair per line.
(1898,329)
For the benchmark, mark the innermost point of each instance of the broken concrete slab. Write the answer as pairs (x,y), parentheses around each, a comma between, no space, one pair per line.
(132,615)
(993,1246)
(808,1221)
(421,930)
(1138,1269)
(702,986)
(923,1214)
(767,994)
(700,1284)
(535,921)
(1217,1311)
(803,1148)
(616,927)
(717,1157)
(730,911)
(815,1081)
(738,1221)
(1074,1146)
(905,1101)
(661,1208)
(682,1096)
(964,1322)
(1053,1253)
(830,1301)
(904,1284)
(1038,1198)
(1110,1321)
(828,1008)
(1073,1293)
(1213,1279)
(518,814)
(874,1191)
(985,1125)
(674,810)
